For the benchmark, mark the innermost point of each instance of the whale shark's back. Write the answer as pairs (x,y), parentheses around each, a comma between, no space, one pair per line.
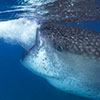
(72,10)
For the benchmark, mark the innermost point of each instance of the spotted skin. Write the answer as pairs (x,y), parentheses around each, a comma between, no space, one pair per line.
(73,39)
(68,11)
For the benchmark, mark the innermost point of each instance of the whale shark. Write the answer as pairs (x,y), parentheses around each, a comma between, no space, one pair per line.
(67,56)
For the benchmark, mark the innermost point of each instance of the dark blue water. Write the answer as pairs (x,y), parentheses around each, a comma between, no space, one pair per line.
(16,82)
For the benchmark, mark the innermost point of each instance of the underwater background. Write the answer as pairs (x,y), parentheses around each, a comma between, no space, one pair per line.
(18,83)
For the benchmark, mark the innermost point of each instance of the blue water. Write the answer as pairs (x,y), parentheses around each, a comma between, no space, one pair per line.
(18,83)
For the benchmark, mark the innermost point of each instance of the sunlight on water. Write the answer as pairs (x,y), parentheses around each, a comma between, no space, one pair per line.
(21,31)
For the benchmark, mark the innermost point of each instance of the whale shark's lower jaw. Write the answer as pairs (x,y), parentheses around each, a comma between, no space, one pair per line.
(69,72)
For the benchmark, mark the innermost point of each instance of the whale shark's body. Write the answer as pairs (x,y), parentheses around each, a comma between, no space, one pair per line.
(68,56)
